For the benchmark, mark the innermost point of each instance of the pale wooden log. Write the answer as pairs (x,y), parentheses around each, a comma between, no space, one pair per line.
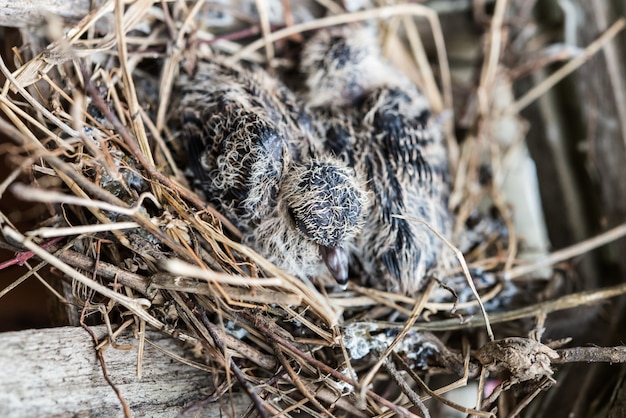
(55,372)
(20,13)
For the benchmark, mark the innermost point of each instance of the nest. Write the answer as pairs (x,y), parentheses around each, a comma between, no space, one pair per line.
(89,113)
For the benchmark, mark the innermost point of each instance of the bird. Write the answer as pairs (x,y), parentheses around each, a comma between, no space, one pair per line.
(251,148)
(376,120)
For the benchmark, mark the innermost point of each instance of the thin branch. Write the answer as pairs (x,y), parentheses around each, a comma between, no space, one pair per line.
(106,270)
(250,390)
(264,18)
(105,374)
(542,385)
(591,355)
(435,395)
(492,59)
(415,313)
(566,302)
(405,387)
(459,255)
(135,305)
(569,252)
(296,379)
(258,323)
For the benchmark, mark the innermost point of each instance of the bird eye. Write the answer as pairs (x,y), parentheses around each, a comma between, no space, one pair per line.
(299,222)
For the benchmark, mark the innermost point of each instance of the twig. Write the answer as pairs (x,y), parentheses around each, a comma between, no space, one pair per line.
(234,344)
(543,384)
(261,6)
(492,59)
(178,267)
(258,323)
(459,255)
(404,387)
(135,305)
(36,105)
(569,252)
(435,395)
(106,270)
(562,303)
(23,257)
(591,355)
(103,367)
(415,313)
(47,232)
(35,194)
(250,390)
(296,379)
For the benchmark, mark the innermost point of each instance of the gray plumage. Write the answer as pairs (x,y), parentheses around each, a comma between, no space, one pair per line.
(253,151)
(377,121)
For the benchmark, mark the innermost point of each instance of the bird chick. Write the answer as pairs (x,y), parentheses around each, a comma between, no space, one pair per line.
(250,145)
(318,214)
(342,65)
(378,122)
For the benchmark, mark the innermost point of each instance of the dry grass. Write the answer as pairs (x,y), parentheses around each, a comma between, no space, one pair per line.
(92,140)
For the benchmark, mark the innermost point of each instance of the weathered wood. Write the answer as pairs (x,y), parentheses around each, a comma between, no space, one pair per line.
(55,372)
(20,13)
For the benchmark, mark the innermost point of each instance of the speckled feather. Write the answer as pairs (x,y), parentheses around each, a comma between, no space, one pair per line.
(257,160)
(377,121)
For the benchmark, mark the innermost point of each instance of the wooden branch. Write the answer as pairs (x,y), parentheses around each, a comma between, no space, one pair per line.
(54,372)
(20,13)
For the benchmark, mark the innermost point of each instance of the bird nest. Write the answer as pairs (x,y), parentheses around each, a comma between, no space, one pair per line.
(90,114)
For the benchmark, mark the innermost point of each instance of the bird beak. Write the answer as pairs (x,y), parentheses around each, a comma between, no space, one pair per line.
(336,260)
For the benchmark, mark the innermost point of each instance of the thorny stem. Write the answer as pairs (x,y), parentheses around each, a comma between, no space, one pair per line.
(21,258)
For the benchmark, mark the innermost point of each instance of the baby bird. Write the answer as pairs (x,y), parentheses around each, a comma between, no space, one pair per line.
(377,121)
(250,145)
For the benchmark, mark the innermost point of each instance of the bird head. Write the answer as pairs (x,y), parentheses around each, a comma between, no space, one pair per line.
(326,202)
(343,65)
